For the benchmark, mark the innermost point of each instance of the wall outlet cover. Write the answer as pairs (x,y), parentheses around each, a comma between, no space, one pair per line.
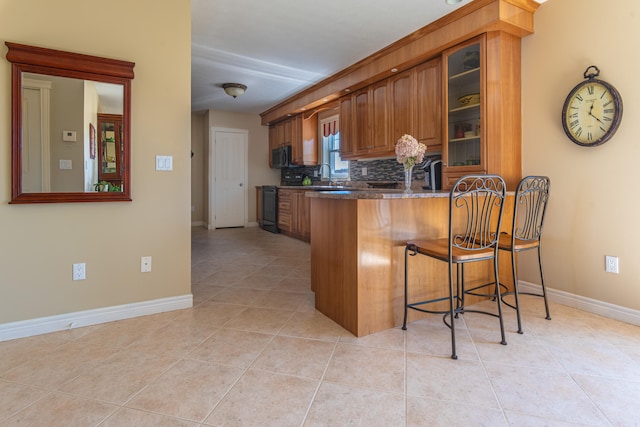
(79,271)
(145,264)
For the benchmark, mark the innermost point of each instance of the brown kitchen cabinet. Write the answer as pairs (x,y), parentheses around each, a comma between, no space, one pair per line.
(279,134)
(304,140)
(482,136)
(374,118)
(380,140)
(368,117)
(426,104)
(299,132)
(302,217)
(259,205)
(361,122)
(284,210)
(402,98)
(273,142)
(347,146)
(294,217)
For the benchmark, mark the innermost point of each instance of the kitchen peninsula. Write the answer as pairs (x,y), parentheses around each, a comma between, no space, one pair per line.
(357,254)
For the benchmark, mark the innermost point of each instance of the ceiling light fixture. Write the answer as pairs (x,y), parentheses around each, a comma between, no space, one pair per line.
(452,1)
(234,89)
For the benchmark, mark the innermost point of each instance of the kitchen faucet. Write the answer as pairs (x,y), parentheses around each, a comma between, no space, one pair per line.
(320,170)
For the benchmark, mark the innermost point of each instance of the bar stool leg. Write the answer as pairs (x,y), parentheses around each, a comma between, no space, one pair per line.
(406,287)
(515,290)
(452,313)
(495,272)
(544,289)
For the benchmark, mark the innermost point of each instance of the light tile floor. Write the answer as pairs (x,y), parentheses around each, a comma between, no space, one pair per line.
(254,352)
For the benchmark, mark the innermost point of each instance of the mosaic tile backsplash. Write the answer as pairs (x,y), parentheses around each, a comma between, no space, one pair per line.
(377,170)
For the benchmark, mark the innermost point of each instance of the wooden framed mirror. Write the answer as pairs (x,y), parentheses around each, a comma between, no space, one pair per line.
(70,117)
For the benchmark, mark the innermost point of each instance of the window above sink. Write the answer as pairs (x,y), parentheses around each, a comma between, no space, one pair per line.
(338,169)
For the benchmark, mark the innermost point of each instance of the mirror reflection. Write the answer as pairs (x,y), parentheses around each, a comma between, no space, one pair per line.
(70,126)
(72,134)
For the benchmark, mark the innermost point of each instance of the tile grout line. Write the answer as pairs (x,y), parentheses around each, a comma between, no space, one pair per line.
(321,381)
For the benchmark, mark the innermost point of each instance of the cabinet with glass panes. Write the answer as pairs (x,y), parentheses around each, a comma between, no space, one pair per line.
(481,120)
(463,97)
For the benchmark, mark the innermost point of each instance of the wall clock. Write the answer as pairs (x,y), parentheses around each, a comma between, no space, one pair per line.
(592,111)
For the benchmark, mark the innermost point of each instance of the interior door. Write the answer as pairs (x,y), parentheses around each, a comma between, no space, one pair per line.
(230,171)
(36,175)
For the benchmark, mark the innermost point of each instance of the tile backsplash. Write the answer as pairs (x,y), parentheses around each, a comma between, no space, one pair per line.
(377,170)
(381,170)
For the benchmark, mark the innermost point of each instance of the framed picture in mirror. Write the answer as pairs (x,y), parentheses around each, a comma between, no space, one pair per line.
(92,141)
(54,91)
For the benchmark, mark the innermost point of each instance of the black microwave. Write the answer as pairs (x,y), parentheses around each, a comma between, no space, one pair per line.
(281,157)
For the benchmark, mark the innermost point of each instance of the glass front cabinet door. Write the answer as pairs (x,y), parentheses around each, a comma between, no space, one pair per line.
(110,134)
(464,99)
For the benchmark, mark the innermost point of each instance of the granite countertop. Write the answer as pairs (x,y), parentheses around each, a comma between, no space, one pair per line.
(313,187)
(375,193)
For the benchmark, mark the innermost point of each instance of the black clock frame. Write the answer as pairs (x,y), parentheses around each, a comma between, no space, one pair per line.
(617,100)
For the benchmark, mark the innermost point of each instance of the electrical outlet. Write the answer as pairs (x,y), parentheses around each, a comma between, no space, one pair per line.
(364,171)
(145,264)
(79,271)
(611,264)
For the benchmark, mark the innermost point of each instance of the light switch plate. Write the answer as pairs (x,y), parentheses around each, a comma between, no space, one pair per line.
(66,164)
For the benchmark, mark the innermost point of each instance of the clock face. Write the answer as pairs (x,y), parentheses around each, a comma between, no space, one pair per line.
(591,113)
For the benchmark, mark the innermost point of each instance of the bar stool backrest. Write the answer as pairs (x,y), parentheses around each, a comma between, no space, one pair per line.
(531,200)
(475,212)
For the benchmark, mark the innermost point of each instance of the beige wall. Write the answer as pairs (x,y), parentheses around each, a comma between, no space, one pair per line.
(258,167)
(40,242)
(593,208)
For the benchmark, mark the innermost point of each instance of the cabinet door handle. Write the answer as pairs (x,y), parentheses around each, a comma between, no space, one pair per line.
(240,184)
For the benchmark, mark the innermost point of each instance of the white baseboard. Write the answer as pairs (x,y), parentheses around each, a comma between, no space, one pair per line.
(601,308)
(44,325)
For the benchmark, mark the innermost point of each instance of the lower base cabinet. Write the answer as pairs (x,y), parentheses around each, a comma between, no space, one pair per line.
(259,205)
(294,217)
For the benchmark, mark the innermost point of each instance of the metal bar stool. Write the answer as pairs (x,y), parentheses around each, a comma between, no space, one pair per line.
(476,203)
(530,206)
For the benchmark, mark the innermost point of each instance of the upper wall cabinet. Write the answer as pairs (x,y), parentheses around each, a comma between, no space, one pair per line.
(482,119)
(426,108)
(299,132)
(56,100)
(374,118)
(464,147)
(304,140)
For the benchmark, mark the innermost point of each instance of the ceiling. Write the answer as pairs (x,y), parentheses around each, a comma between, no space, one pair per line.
(280,47)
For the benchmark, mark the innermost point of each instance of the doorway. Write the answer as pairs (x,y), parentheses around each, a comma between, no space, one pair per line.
(36,151)
(228,195)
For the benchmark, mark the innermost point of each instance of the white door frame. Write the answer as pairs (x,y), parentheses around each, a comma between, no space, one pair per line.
(212,174)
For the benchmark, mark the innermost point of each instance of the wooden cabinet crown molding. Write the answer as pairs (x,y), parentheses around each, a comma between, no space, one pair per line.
(479,16)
